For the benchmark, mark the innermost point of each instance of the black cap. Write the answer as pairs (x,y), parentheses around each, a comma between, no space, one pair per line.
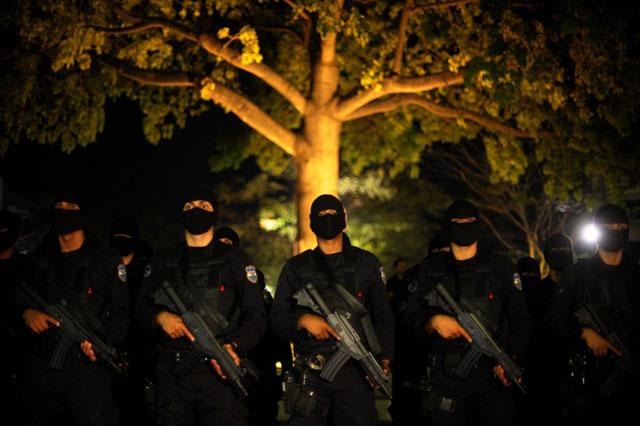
(70,195)
(126,225)
(227,232)
(200,193)
(326,202)
(528,265)
(611,213)
(439,241)
(461,209)
(557,241)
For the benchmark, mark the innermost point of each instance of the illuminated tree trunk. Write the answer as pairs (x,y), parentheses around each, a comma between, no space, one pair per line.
(318,153)
(318,164)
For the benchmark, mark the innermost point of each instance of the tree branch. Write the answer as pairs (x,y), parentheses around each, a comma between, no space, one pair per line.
(147,77)
(402,30)
(393,103)
(252,115)
(497,234)
(443,5)
(212,46)
(243,108)
(260,70)
(150,24)
(348,107)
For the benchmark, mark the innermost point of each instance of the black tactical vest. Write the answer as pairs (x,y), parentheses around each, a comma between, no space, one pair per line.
(484,296)
(309,268)
(204,281)
(616,298)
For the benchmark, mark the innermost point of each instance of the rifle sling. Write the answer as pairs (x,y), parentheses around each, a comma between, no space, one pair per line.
(350,261)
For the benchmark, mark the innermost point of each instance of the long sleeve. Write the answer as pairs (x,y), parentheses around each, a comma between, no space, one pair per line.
(147,309)
(419,309)
(284,315)
(560,320)
(117,322)
(253,319)
(381,314)
(520,322)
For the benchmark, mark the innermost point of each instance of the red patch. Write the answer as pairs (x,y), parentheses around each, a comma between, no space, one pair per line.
(221,288)
(360,294)
(90,291)
(490,295)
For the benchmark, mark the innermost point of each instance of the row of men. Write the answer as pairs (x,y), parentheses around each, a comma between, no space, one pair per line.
(586,329)
(429,341)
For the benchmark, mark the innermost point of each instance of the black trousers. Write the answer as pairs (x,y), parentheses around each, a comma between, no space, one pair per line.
(81,388)
(201,397)
(479,399)
(347,401)
(586,406)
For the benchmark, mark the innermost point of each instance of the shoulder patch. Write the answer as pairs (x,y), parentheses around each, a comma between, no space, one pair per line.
(412,287)
(517,282)
(252,274)
(383,276)
(122,273)
(147,270)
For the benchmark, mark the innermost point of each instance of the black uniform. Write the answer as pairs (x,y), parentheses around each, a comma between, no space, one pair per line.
(349,398)
(132,390)
(11,345)
(226,278)
(404,408)
(489,283)
(263,402)
(93,276)
(614,292)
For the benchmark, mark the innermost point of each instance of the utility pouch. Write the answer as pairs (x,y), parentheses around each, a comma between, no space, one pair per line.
(291,391)
(451,361)
(306,403)
(431,400)
(299,399)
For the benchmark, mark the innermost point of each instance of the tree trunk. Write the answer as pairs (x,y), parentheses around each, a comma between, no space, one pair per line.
(318,164)
(318,153)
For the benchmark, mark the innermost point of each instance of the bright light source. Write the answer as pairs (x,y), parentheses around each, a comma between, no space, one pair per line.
(269,224)
(591,233)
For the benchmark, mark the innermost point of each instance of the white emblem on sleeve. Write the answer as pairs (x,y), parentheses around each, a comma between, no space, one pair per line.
(517,281)
(122,273)
(383,275)
(252,274)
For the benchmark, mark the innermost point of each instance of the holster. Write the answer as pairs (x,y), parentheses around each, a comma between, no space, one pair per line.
(431,400)
(299,398)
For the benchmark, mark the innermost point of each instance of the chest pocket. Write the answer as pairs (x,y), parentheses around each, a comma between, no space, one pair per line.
(209,286)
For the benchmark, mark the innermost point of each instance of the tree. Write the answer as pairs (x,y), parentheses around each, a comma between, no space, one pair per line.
(314,77)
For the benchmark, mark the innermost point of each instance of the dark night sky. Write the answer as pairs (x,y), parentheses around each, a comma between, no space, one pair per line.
(122,172)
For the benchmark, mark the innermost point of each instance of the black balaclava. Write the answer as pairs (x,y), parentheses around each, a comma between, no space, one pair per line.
(558,252)
(198,221)
(529,271)
(9,227)
(227,232)
(463,234)
(67,221)
(611,240)
(124,234)
(439,242)
(327,226)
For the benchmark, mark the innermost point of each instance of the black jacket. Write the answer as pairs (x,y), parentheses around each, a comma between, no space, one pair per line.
(222,275)
(92,275)
(614,291)
(489,282)
(369,288)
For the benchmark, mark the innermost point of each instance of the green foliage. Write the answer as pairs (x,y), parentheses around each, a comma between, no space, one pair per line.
(563,71)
